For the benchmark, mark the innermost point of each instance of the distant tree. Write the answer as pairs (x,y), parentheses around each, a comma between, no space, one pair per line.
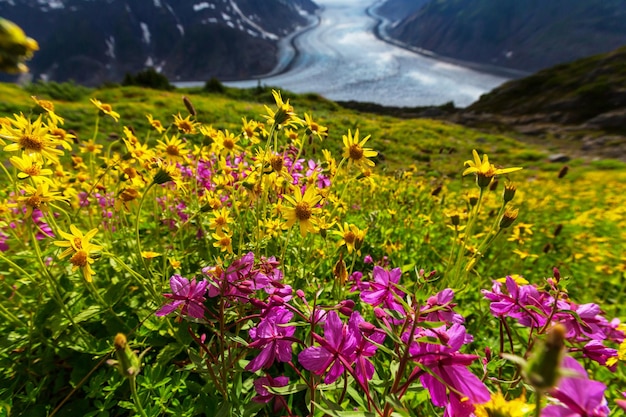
(213,85)
(149,78)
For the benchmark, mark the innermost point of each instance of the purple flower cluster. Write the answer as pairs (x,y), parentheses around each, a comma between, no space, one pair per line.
(586,327)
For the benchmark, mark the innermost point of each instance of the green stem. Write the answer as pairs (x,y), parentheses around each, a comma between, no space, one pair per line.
(133,391)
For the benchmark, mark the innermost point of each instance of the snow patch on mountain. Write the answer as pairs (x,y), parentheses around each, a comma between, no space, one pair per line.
(145,32)
(110,47)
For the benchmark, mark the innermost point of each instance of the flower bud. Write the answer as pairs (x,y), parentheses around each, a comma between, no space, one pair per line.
(508,218)
(509,192)
(542,369)
(340,271)
(128,364)
(563,171)
(190,108)
(556,274)
(346,307)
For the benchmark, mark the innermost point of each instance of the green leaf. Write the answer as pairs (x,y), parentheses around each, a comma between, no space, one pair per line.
(287,389)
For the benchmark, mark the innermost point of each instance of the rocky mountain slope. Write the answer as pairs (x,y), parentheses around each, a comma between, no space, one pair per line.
(93,41)
(524,35)
(582,104)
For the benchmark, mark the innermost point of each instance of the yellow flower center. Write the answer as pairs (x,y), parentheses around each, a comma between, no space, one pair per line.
(225,241)
(229,144)
(303,211)
(34,201)
(47,105)
(277,163)
(31,143)
(33,170)
(185,126)
(349,237)
(106,108)
(58,133)
(78,243)
(129,194)
(130,172)
(356,152)
(220,221)
(314,127)
(79,259)
(172,150)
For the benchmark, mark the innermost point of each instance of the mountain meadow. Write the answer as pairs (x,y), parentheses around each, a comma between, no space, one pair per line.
(223,252)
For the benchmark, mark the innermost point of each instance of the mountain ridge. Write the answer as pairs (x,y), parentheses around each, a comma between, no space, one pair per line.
(98,41)
(526,36)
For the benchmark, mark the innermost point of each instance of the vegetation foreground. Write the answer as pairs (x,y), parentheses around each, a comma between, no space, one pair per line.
(217,256)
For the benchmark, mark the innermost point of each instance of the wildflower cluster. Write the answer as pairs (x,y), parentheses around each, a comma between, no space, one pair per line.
(277,264)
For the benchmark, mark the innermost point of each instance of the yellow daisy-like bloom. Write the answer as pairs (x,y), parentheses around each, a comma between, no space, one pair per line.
(315,129)
(38,198)
(499,407)
(32,138)
(30,167)
(173,149)
(48,106)
(223,241)
(227,143)
(185,125)
(80,247)
(302,209)
(220,220)
(148,254)
(484,170)
(91,147)
(284,114)
(250,130)
(106,109)
(351,236)
(156,124)
(355,152)
(519,280)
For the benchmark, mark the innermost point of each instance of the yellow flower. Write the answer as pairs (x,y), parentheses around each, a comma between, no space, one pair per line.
(499,407)
(302,210)
(173,149)
(221,219)
(32,138)
(519,280)
(223,241)
(106,109)
(250,130)
(484,170)
(315,129)
(351,236)
(37,198)
(185,125)
(156,124)
(30,167)
(148,254)
(355,151)
(91,147)
(227,143)
(48,106)
(80,247)
(284,115)
(174,263)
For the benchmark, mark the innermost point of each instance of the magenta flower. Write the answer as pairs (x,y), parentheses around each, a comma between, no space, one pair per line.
(516,303)
(273,338)
(452,386)
(186,294)
(336,352)
(596,351)
(261,387)
(236,282)
(578,396)
(440,308)
(383,289)
(363,367)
